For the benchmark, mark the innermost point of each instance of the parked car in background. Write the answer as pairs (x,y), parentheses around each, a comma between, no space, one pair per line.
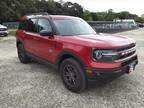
(127,23)
(3,30)
(141,25)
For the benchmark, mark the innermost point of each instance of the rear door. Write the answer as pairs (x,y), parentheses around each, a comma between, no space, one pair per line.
(30,34)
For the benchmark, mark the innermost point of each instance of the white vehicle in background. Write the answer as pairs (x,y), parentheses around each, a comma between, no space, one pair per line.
(3,30)
(127,23)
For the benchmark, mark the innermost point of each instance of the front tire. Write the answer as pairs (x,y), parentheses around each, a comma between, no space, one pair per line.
(5,35)
(22,54)
(73,75)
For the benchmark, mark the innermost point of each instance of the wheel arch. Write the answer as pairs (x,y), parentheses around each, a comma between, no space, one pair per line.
(18,42)
(67,54)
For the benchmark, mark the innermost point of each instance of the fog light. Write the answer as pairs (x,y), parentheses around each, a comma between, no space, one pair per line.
(89,71)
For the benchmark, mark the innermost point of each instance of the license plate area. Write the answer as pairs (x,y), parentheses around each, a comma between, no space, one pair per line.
(131,67)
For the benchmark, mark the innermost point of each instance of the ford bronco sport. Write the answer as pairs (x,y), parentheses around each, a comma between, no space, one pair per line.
(74,48)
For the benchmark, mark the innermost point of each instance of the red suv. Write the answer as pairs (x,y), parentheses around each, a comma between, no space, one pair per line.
(74,48)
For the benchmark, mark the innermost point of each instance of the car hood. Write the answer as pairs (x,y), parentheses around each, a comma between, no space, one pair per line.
(1,26)
(100,40)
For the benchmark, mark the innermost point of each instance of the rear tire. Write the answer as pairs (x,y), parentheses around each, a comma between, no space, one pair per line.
(22,54)
(73,75)
(5,35)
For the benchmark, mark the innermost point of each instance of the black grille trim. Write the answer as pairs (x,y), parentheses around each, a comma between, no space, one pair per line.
(3,29)
(129,61)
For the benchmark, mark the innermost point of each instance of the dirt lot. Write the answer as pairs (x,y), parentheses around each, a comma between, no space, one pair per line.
(39,86)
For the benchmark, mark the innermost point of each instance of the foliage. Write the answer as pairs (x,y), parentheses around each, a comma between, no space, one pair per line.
(139,19)
(12,32)
(12,10)
(88,16)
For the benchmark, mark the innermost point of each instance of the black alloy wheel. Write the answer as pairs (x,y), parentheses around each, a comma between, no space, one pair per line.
(73,75)
(22,54)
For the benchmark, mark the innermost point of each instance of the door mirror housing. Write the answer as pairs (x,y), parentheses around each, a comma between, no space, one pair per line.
(46,33)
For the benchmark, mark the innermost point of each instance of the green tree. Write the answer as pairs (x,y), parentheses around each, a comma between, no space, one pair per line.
(110,16)
(5,11)
(12,10)
(142,15)
(94,16)
(101,16)
(87,15)
(139,19)
(126,15)
(73,9)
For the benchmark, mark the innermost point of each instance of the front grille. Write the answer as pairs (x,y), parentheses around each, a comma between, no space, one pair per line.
(3,29)
(129,61)
(126,52)
(126,55)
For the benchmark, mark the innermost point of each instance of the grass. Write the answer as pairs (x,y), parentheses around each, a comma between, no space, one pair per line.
(12,32)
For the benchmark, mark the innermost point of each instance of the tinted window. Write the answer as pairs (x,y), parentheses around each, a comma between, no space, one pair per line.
(43,24)
(22,25)
(31,25)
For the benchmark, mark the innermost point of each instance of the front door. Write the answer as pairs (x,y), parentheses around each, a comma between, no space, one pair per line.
(45,45)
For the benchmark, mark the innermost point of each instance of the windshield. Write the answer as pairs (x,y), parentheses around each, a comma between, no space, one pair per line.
(69,27)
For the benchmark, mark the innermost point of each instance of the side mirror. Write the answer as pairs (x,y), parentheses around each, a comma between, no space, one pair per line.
(46,33)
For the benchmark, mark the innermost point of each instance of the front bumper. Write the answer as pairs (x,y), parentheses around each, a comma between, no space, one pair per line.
(5,33)
(113,72)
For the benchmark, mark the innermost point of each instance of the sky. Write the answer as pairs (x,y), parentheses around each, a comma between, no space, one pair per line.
(133,6)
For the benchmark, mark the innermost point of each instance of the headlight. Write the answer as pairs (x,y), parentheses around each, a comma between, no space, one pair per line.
(104,55)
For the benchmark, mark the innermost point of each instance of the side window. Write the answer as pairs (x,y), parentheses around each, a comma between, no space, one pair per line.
(43,24)
(22,25)
(31,25)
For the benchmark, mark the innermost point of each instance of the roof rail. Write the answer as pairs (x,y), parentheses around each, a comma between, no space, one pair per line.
(39,13)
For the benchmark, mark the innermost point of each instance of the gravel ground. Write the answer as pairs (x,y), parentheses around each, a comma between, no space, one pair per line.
(39,86)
